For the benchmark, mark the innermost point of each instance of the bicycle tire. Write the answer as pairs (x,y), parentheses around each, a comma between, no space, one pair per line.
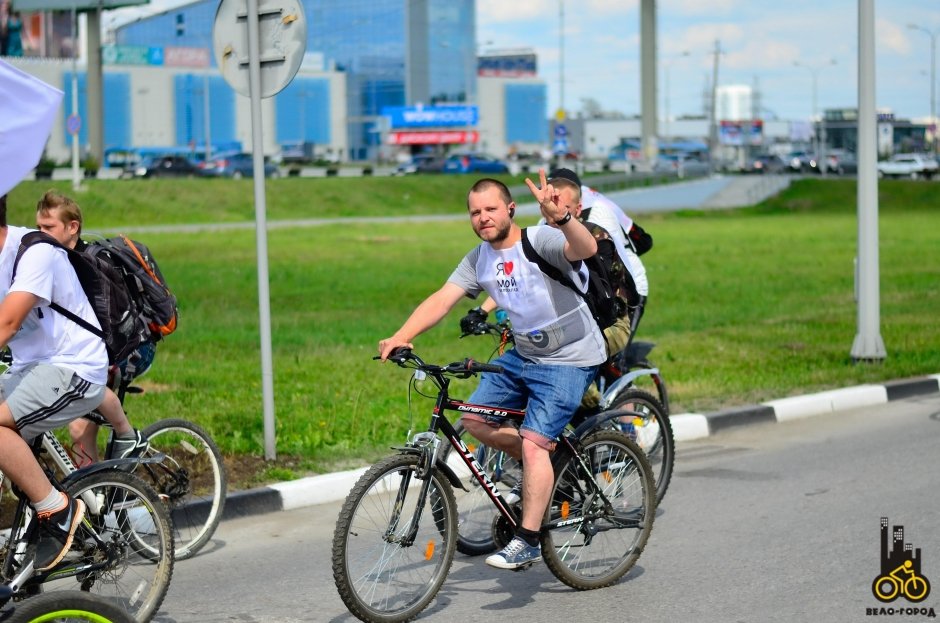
(381,581)
(607,541)
(191,480)
(660,447)
(68,607)
(475,510)
(135,526)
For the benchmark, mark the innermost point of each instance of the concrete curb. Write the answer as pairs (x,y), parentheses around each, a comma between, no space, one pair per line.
(333,487)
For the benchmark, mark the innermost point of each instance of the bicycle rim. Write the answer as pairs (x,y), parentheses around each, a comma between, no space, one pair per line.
(475,510)
(380,578)
(191,481)
(590,541)
(134,525)
(652,431)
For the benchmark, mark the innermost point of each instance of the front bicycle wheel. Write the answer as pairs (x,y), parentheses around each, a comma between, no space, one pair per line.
(191,480)
(475,510)
(68,607)
(127,536)
(601,512)
(390,555)
(649,426)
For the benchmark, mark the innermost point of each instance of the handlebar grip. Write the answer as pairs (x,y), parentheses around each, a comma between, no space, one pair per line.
(476,366)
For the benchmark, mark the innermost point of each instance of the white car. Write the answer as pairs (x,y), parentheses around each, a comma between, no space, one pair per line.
(908,165)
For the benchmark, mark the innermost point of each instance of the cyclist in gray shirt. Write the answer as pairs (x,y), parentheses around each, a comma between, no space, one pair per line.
(558,344)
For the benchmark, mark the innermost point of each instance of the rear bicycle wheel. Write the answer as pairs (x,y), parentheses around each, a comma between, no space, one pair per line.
(68,607)
(381,575)
(191,480)
(475,510)
(591,540)
(649,426)
(127,530)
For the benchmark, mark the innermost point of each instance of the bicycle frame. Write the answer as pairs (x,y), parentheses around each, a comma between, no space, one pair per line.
(426,444)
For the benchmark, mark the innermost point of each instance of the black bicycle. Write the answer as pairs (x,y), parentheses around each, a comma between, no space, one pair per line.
(190,476)
(644,419)
(123,550)
(396,533)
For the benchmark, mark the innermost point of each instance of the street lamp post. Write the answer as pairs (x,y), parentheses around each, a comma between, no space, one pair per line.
(819,145)
(933,82)
(666,65)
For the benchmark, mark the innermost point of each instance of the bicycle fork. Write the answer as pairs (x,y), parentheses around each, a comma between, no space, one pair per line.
(427,444)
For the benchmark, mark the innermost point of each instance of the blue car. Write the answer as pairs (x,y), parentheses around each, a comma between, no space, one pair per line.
(235,166)
(474,163)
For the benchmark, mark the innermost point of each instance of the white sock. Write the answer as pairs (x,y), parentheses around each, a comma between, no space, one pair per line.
(56,500)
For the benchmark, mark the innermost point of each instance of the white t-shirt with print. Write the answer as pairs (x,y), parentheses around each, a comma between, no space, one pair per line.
(47,336)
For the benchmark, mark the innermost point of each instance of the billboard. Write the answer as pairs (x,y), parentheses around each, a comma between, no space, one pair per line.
(516,65)
(431,116)
(738,133)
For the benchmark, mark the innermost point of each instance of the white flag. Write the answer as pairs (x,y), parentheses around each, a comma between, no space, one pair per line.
(28,107)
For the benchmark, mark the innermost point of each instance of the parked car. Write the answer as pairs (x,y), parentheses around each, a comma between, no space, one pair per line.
(841,162)
(474,163)
(166,166)
(421,163)
(801,162)
(908,165)
(681,165)
(765,163)
(235,166)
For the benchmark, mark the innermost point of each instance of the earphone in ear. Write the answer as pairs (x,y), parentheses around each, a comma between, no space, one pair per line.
(512,212)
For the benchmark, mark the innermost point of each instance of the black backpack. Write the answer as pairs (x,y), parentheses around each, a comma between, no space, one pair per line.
(121,326)
(145,282)
(601,297)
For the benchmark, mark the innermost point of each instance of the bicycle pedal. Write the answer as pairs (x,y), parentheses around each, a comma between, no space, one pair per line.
(524,567)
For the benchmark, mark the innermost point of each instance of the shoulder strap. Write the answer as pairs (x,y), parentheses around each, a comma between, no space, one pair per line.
(549,269)
(36,237)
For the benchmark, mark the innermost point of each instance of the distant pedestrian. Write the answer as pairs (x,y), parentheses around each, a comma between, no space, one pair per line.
(14,35)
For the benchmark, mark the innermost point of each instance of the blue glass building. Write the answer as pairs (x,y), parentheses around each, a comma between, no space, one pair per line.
(393,52)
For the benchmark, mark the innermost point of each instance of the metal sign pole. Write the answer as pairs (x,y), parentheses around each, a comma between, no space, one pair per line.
(261,231)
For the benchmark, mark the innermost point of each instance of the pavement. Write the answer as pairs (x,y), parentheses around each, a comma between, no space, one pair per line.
(325,488)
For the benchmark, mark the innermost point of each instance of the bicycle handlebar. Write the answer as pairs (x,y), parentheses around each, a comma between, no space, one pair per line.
(465,368)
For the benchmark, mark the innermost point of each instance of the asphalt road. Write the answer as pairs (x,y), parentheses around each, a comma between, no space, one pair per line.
(774,522)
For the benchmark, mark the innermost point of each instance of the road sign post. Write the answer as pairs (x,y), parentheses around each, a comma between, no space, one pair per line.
(240,27)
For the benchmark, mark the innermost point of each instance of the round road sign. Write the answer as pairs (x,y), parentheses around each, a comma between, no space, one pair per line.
(73,124)
(282,38)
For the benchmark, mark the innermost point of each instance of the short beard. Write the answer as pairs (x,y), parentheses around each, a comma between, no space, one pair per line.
(501,234)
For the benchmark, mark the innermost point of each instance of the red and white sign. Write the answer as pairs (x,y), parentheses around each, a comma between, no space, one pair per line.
(185,57)
(459,137)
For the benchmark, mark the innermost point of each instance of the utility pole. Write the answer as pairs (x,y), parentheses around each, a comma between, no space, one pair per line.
(868,345)
(819,145)
(561,56)
(713,116)
(933,82)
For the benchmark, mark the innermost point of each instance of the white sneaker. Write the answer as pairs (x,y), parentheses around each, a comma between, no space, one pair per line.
(647,433)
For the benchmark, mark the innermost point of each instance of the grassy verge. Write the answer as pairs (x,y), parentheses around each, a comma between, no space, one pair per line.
(745,306)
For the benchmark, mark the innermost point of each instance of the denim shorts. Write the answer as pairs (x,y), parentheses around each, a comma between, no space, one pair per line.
(550,395)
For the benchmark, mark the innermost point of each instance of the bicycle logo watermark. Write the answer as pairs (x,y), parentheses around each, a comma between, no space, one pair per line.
(901,574)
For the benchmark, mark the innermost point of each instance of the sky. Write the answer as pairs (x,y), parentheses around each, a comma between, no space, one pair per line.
(760,42)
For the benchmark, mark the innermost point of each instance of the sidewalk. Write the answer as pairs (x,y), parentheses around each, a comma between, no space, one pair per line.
(686,426)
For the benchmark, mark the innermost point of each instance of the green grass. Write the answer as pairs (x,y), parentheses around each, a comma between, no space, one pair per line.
(745,305)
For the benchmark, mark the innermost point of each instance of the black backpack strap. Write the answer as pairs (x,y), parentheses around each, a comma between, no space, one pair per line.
(549,269)
(36,237)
